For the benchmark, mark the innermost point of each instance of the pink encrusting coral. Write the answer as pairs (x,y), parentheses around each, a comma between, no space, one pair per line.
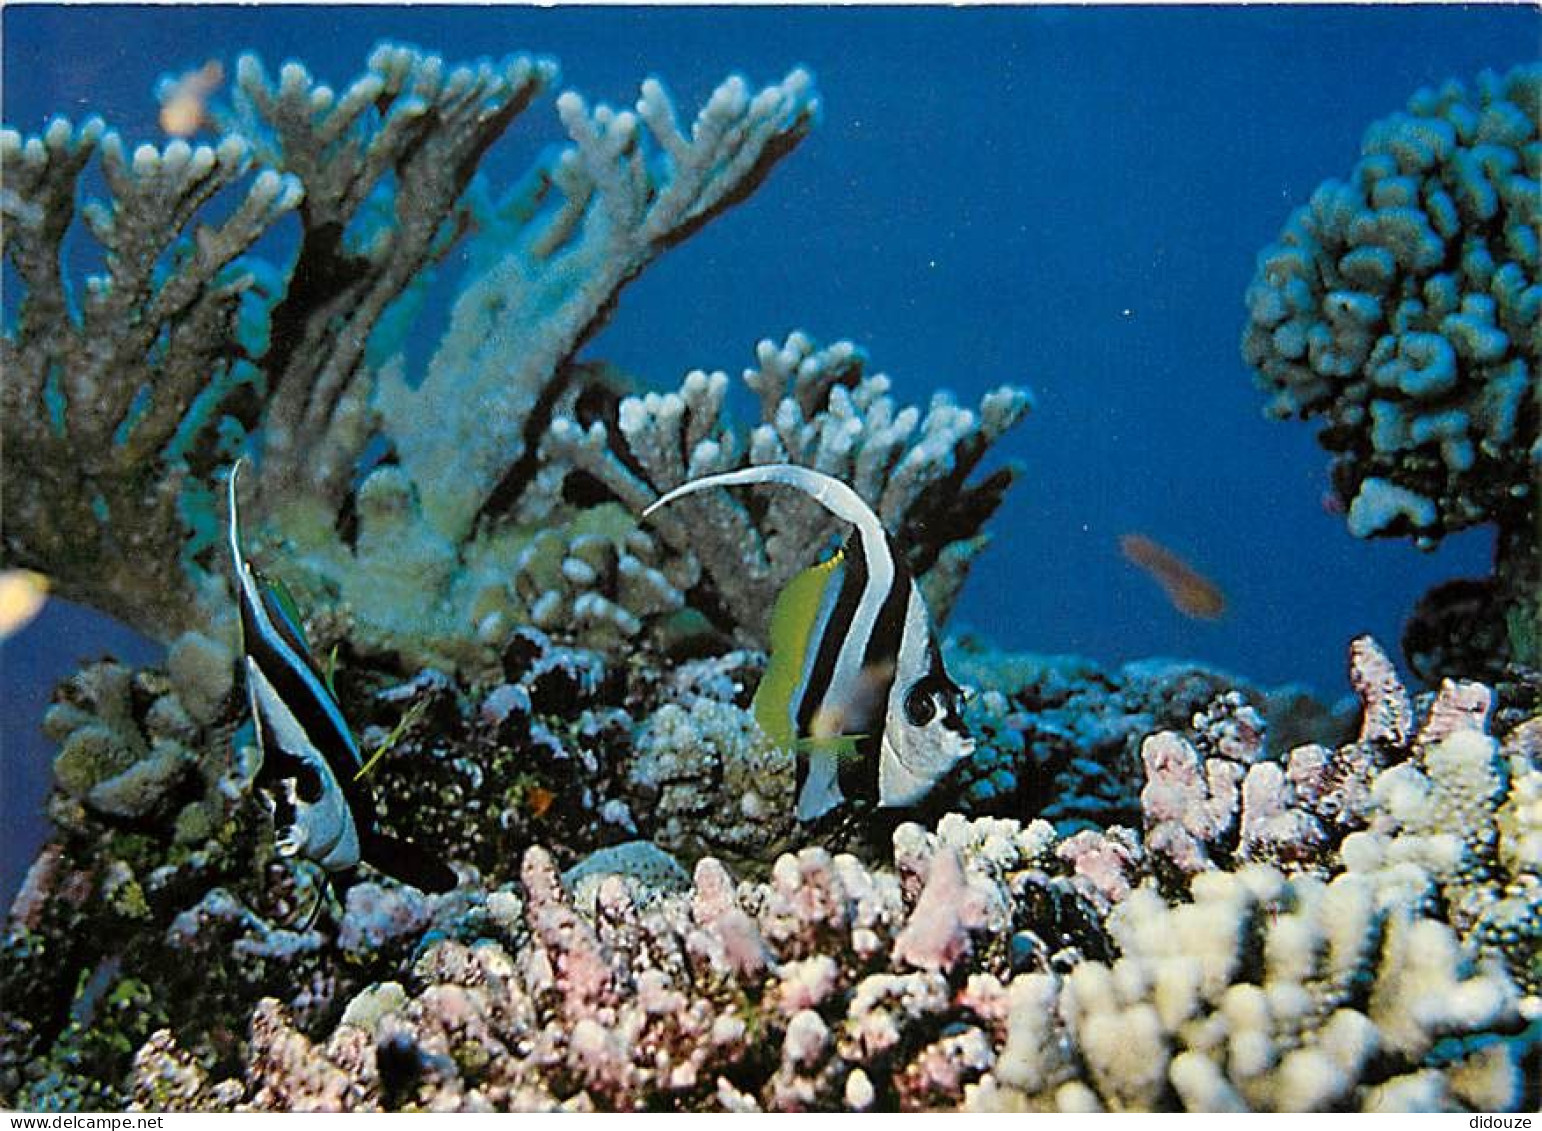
(1306,966)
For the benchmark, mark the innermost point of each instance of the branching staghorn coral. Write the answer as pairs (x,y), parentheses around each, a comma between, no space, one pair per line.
(819,408)
(1402,308)
(127,397)
(110,385)
(384,165)
(630,186)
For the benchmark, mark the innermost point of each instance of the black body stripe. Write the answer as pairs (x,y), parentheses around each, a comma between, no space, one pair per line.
(313,718)
(279,762)
(859,776)
(812,694)
(280,622)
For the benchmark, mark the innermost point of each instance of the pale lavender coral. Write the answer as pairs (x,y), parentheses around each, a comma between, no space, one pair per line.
(585,1003)
(1189,803)
(711,781)
(310,1082)
(681,1003)
(1417,801)
(248,934)
(1273,829)
(37,888)
(644,868)
(377,914)
(1387,713)
(936,937)
(1104,866)
(169,1078)
(1201,812)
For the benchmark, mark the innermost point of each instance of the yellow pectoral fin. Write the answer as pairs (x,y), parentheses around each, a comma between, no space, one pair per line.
(792,629)
(842,747)
(412,715)
(379,753)
(332,670)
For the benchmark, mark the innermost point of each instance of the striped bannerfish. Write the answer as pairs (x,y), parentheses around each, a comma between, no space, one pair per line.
(855,683)
(310,761)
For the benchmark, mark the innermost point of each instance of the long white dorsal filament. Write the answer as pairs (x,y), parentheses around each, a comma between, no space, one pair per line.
(835,496)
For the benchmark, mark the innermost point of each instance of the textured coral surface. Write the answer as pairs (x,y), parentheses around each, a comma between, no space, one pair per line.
(1402,308)
(1159,887)
(1333,926)
(1402,305)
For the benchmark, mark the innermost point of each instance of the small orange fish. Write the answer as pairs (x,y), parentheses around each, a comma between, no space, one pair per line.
(1191,592)
(184,102)
(540,800)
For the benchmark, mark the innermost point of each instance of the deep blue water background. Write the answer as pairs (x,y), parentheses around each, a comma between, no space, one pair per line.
(1070,199)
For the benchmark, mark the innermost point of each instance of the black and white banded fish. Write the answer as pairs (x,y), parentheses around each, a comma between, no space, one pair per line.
(855,683)
(310,761)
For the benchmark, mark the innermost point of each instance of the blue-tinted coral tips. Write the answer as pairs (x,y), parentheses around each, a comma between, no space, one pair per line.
(855,683)
(310,760)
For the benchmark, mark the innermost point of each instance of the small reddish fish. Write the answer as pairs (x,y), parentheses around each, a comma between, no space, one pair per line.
(1191,592)
(540,801)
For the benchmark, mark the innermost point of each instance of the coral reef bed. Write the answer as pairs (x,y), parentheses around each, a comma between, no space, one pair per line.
(1157,887)
(1334,926)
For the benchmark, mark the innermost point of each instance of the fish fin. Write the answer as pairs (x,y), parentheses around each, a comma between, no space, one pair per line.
(821,788)
(829,492)
(405,861)
(841,747)
(282,607)
(323,891)
(233,514)
(411,715)
(793,619)
(331,672)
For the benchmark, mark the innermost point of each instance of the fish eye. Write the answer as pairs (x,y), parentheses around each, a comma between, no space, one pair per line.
(919,707)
